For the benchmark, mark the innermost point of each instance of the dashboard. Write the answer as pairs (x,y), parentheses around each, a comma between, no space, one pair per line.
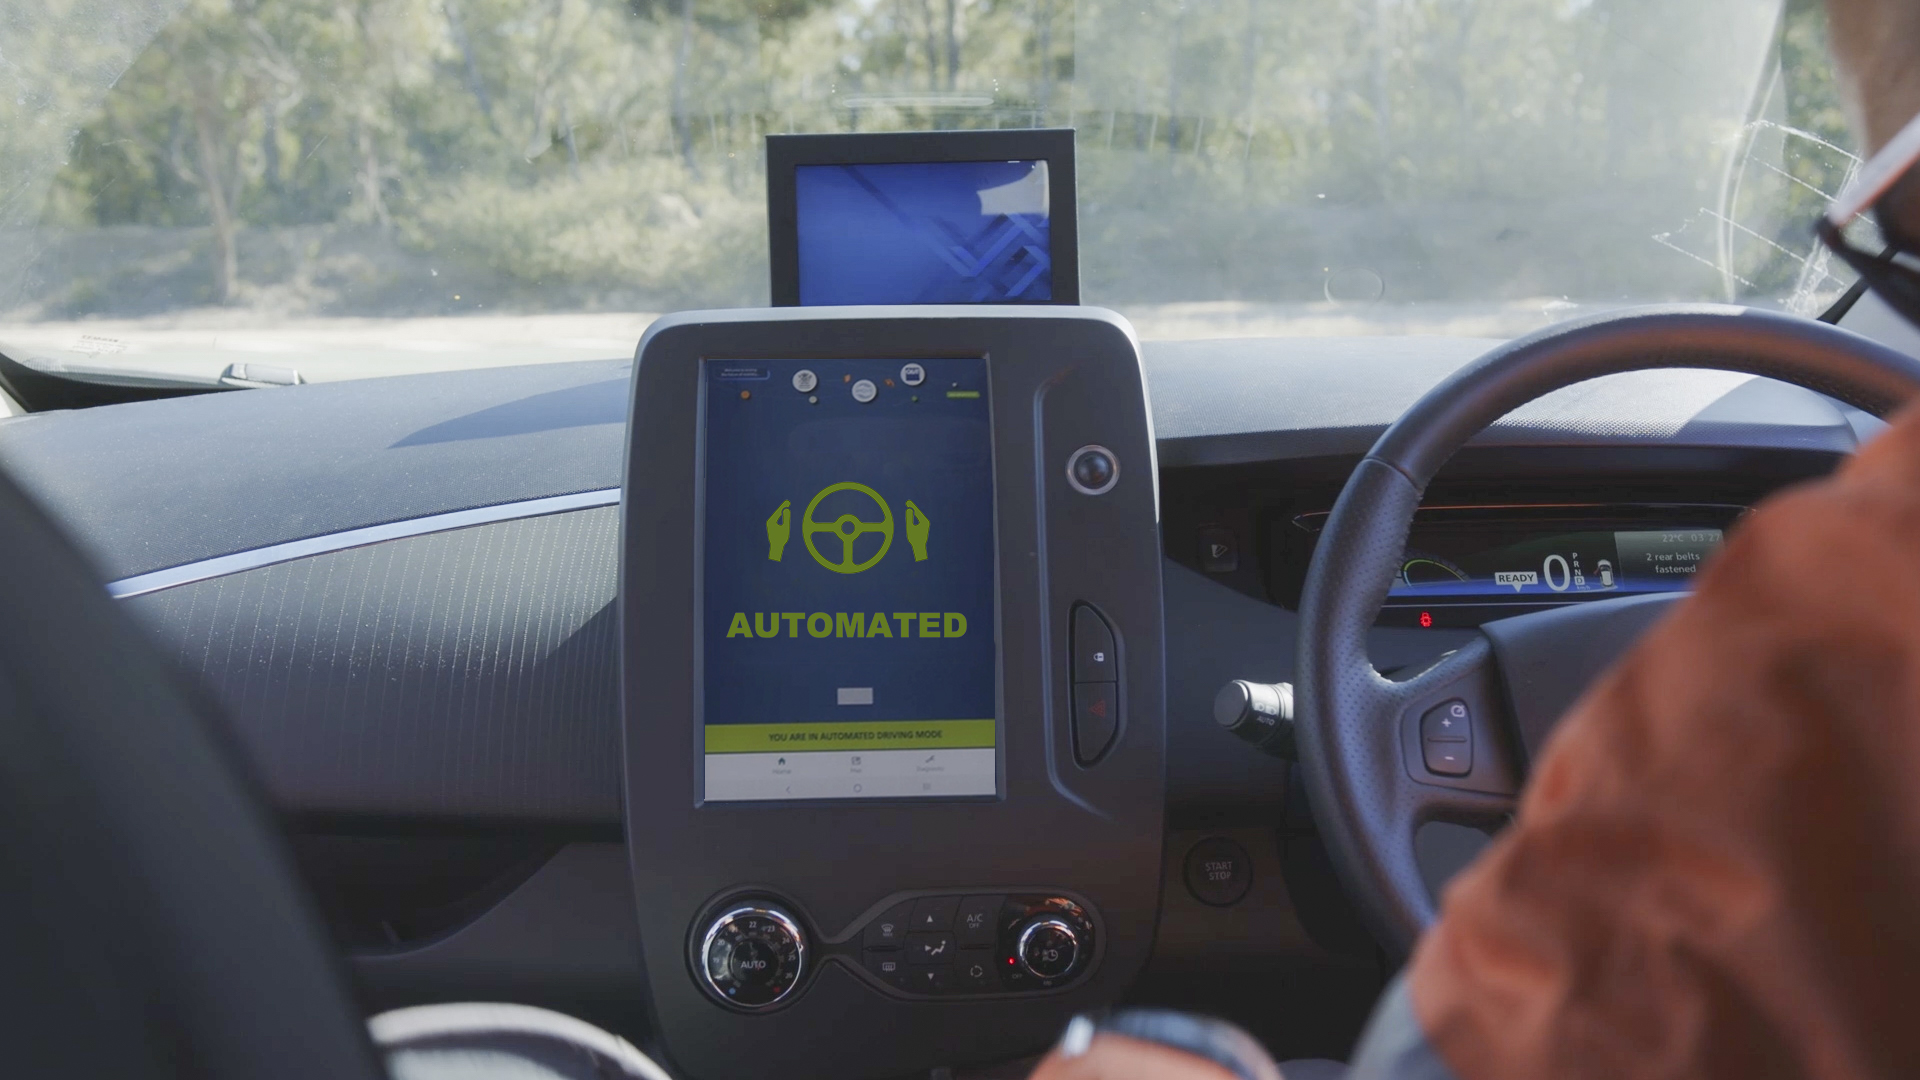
(409,594)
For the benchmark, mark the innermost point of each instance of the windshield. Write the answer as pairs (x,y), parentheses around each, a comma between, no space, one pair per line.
(364,187)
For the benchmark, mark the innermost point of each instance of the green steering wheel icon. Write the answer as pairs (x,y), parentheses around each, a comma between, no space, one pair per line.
(848,529)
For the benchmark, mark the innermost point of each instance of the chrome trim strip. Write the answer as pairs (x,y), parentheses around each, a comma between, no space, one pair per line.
(206,569)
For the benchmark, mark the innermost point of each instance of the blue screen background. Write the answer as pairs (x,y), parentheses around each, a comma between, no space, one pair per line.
(775,446)
(918,234)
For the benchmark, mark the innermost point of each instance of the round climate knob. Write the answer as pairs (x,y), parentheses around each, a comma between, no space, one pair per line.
(1048,947)
(752,956)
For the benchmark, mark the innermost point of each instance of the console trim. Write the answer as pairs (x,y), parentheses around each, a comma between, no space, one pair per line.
(327,543)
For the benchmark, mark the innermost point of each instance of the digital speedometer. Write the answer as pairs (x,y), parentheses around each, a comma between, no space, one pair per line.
(1541,565)
(1464,565)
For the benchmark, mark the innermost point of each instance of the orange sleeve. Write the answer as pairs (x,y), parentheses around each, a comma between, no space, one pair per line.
(1715,869)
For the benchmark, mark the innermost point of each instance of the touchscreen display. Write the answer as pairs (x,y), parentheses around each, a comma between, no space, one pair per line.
(1460,561)
(952,232)
(848,645)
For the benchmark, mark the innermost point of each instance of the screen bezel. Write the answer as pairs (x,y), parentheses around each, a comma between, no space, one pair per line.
(700,595)
(1053,145)
(1062,378)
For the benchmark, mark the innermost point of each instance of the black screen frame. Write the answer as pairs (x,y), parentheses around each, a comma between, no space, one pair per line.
(1053,145)
(1060,379)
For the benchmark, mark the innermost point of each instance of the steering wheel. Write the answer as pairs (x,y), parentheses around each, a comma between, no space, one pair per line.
(847,528)
(1358,732)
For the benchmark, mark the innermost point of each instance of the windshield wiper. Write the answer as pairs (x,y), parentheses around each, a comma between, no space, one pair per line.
(52,385)
(260,376)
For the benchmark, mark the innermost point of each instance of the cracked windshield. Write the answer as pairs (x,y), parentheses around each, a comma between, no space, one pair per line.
(352,188)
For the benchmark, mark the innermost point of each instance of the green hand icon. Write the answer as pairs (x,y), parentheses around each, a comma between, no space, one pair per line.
(779,527)
(917,525)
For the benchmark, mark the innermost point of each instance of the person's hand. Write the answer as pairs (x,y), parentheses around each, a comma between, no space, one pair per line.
(1156,1044)
(1120,1057)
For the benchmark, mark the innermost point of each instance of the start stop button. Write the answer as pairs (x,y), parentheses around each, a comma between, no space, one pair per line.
(1218,871)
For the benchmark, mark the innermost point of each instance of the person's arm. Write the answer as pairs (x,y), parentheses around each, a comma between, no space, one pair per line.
(1876,51)
(1716,863)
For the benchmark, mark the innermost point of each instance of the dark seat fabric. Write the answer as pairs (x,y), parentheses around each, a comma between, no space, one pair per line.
(484,1041)
(152,921)
(477,1041)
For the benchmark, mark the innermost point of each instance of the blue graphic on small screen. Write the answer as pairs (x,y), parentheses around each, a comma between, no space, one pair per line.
(953,232)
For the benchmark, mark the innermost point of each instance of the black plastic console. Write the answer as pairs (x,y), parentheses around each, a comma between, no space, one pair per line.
(871,937)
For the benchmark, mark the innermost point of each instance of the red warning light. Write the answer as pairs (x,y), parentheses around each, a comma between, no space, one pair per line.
(1426,618)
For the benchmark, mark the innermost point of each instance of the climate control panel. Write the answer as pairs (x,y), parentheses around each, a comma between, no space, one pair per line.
(753,954)
(982,943)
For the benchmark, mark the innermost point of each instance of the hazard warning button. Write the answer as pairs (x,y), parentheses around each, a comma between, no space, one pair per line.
(1096,716)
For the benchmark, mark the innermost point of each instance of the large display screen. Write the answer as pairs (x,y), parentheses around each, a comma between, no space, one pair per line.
(951,232)
(849,640)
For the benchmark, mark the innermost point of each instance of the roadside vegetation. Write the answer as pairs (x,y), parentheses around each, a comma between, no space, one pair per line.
(447,156)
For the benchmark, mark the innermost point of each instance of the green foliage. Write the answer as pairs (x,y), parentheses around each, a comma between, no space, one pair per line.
(637,232)
(607,152)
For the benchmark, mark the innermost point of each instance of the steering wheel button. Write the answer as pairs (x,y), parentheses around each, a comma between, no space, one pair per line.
(1448,758)
(935,913)
(1448,721)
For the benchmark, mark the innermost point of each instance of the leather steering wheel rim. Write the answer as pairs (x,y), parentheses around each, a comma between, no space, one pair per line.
(1351,721)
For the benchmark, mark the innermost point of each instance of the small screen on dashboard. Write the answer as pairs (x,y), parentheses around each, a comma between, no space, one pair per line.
(1491,563)
(848,647)
(947,232)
